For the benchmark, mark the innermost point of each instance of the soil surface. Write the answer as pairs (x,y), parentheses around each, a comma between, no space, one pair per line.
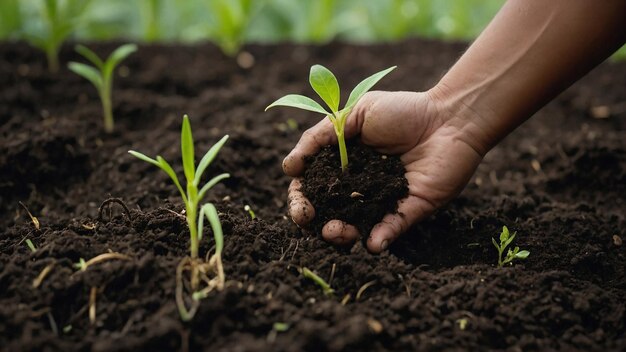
(559,181)
(369,188)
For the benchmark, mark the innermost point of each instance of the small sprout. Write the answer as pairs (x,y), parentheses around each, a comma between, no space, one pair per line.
(32,218)
(229,23)
(30,245)
(325,84)
(81,265)
(328,291)
(462,322)
(101,75)
(250,211)
(60,19)
(195,218)
(505,240)
(67,329)
(280,327)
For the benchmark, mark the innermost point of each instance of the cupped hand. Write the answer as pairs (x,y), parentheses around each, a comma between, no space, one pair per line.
(438,155)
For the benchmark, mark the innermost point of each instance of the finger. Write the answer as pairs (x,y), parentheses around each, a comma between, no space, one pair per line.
(300,209)
(410,211)
(311,141)
(339,233)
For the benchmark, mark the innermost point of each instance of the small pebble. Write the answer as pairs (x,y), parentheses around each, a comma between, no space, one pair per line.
(617,240)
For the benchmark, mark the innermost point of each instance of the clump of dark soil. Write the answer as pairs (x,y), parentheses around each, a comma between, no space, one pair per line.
(558,180)
(370,187)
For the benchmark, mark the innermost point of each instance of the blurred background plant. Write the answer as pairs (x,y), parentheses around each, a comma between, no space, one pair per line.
(233,23)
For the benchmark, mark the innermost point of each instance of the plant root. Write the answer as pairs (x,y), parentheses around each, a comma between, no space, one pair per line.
(108,202)
(209,273)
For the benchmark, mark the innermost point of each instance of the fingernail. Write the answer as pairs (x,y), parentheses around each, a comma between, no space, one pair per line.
(383,245)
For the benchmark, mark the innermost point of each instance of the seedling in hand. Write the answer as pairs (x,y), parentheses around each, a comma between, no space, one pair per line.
(195,217)
(325,84)
(101,75)
(505,240)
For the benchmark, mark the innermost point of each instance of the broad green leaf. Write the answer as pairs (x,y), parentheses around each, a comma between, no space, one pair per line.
(210,185)
(210,212)
(522,254)
(144,158)
(363,87)
(300,102)
(88,72)
(186,146)
(89,55)
(509,240)
(168,170)
(116,57)
(207,159)
(325,84)
(504,235)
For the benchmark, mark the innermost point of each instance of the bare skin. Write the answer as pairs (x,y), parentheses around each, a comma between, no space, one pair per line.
(530,52)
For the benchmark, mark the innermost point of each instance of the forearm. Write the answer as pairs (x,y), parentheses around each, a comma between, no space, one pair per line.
(529,53)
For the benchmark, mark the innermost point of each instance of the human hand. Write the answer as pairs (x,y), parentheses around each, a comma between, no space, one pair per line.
(438,155)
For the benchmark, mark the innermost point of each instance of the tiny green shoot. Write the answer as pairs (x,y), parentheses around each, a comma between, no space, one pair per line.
(506,238)
(328,291)
(250,211)
(30,245)
(280,327)
(325,84)
(195,215)
(101,75)
(81,265)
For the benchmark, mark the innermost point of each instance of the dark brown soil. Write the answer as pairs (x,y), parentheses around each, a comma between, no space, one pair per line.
(559,181)
(370,187)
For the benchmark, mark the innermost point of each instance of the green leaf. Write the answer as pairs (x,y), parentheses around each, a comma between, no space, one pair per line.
(116,57)
(522,254)
(508,241)
(210,184)
(505,234)
(495,243)
(210,212)
(89,55)
(88,72)
(186,145)
(300,102)
(363,87)
(168,170)
(207,159)
(325,84)
(144,158)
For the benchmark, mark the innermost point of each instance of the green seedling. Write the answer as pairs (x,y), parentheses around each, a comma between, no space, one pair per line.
(81,265)
(328,291)
(195,215)
(325,84)
(101,75)
(229,22)
(60,18)
(30,245)
(250,211)
(505,240)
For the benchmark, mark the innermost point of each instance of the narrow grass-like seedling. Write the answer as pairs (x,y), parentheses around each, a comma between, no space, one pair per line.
(195,218)
(30,245)
(101,75)
(328,291)
(229,22)
(325,84)
(60,19)
(505,240)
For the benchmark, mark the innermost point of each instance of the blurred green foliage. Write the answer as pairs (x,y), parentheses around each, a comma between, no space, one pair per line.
(231,23)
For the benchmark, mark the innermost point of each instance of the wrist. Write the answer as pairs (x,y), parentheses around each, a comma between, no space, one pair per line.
(462,111)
